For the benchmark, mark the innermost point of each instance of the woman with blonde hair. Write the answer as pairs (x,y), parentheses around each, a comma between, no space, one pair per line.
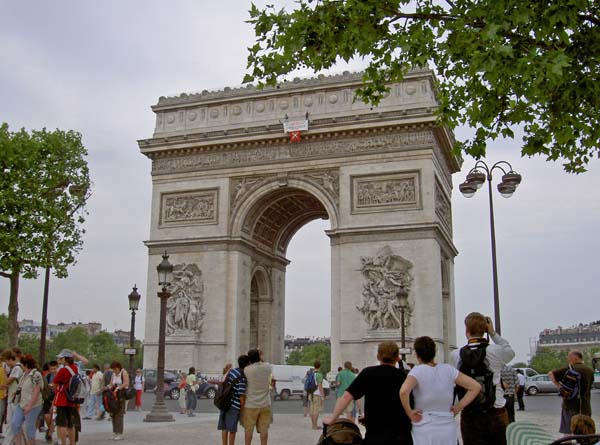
(182,393)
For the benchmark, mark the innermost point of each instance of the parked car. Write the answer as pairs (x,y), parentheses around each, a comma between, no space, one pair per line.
(527,372)
(538,384)
(171,390)
(150,378)
(207,388)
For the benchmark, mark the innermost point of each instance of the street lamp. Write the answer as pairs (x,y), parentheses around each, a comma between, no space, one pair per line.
(403,297)
(159,411)
(134,302)
(475,180)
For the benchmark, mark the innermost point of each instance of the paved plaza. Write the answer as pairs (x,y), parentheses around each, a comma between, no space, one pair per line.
(287,429)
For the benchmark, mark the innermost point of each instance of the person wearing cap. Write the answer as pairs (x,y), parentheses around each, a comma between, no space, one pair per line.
(67,415)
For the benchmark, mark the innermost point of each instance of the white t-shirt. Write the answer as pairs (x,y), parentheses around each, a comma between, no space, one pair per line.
(496,356)
(435,387)
(521,378)
(16,372)
(138,382)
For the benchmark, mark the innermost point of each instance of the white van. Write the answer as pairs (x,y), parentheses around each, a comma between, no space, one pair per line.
(289,380)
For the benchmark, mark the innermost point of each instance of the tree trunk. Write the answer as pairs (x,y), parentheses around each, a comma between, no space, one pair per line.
(13,311)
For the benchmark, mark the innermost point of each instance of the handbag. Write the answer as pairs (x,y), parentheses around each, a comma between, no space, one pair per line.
(130,393)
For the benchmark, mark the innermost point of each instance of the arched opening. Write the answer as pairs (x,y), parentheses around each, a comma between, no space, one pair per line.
(271,219)
(308,284)
(276,217)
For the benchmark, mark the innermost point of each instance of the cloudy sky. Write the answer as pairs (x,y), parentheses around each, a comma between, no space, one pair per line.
(96,67)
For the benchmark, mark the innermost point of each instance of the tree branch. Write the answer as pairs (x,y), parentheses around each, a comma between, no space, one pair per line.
(4,274)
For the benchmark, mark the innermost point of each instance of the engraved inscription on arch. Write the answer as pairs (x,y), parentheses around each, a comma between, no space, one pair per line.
(189,208)
(386,192)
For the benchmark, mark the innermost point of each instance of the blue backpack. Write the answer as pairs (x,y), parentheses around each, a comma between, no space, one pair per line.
(310,384)
(570,383)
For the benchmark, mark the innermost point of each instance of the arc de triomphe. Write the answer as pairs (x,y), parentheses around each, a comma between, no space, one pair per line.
(230,190)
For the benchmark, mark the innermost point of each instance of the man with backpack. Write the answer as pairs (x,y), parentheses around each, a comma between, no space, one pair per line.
(67,415)
(316,394)
(575,385)
(483,421)
(232,402)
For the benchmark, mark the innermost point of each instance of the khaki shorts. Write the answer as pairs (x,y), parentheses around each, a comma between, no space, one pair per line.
(349,408)
(316,405)
(256,417)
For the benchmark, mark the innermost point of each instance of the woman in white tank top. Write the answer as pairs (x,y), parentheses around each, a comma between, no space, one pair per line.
(432,385)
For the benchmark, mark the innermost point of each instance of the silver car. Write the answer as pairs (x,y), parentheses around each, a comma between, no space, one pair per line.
(539,383)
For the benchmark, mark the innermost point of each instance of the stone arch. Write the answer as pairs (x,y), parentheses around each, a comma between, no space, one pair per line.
(271,213)
(261,298)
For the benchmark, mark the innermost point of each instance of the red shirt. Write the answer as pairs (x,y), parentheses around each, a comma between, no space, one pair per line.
(61,380)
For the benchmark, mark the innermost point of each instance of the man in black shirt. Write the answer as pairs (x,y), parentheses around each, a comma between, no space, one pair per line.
(385,419)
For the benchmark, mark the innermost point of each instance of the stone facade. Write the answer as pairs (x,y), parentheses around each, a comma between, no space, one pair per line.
(230,191)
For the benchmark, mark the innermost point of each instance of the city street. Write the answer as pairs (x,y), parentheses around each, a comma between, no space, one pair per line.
(541,403)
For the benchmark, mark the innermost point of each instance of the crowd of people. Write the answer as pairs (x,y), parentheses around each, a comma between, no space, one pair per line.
(398,403)
(406,404)
(45,399)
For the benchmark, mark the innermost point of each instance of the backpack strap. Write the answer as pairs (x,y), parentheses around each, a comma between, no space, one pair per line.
(70,370)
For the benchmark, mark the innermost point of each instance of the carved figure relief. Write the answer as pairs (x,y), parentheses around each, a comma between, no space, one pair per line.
(385,274)
(442,206)
(385,192)
(185,312)
(189,208)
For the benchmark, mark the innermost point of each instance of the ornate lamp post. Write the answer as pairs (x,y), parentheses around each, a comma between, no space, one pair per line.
(475,180)
(159,411)
(134,302)
(403,297)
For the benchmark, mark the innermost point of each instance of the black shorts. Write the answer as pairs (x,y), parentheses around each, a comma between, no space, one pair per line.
(47,406)
(66,416)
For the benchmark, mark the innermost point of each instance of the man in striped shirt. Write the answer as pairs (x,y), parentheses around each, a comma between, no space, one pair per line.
(228,420)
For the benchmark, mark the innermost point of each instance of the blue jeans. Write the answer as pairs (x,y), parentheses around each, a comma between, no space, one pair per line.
(19,418)
(93,402)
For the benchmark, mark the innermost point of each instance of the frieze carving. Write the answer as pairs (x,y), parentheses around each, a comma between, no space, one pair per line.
(443,208)
(198,207)
(393,191)
(294,152)
(185,308)
(385,274)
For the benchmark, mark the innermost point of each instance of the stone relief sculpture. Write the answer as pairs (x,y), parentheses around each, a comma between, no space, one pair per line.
(386,274)
(191,207)
(185,312)
(395,191)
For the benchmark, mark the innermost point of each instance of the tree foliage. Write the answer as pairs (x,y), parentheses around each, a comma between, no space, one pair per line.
(309,353)
(99,349)
(500,63)
(545,360)
(44,184)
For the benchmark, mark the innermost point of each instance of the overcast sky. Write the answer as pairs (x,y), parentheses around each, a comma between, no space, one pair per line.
(97,67)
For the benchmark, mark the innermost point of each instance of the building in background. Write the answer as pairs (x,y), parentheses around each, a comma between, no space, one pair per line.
(29,327)
(584,337)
